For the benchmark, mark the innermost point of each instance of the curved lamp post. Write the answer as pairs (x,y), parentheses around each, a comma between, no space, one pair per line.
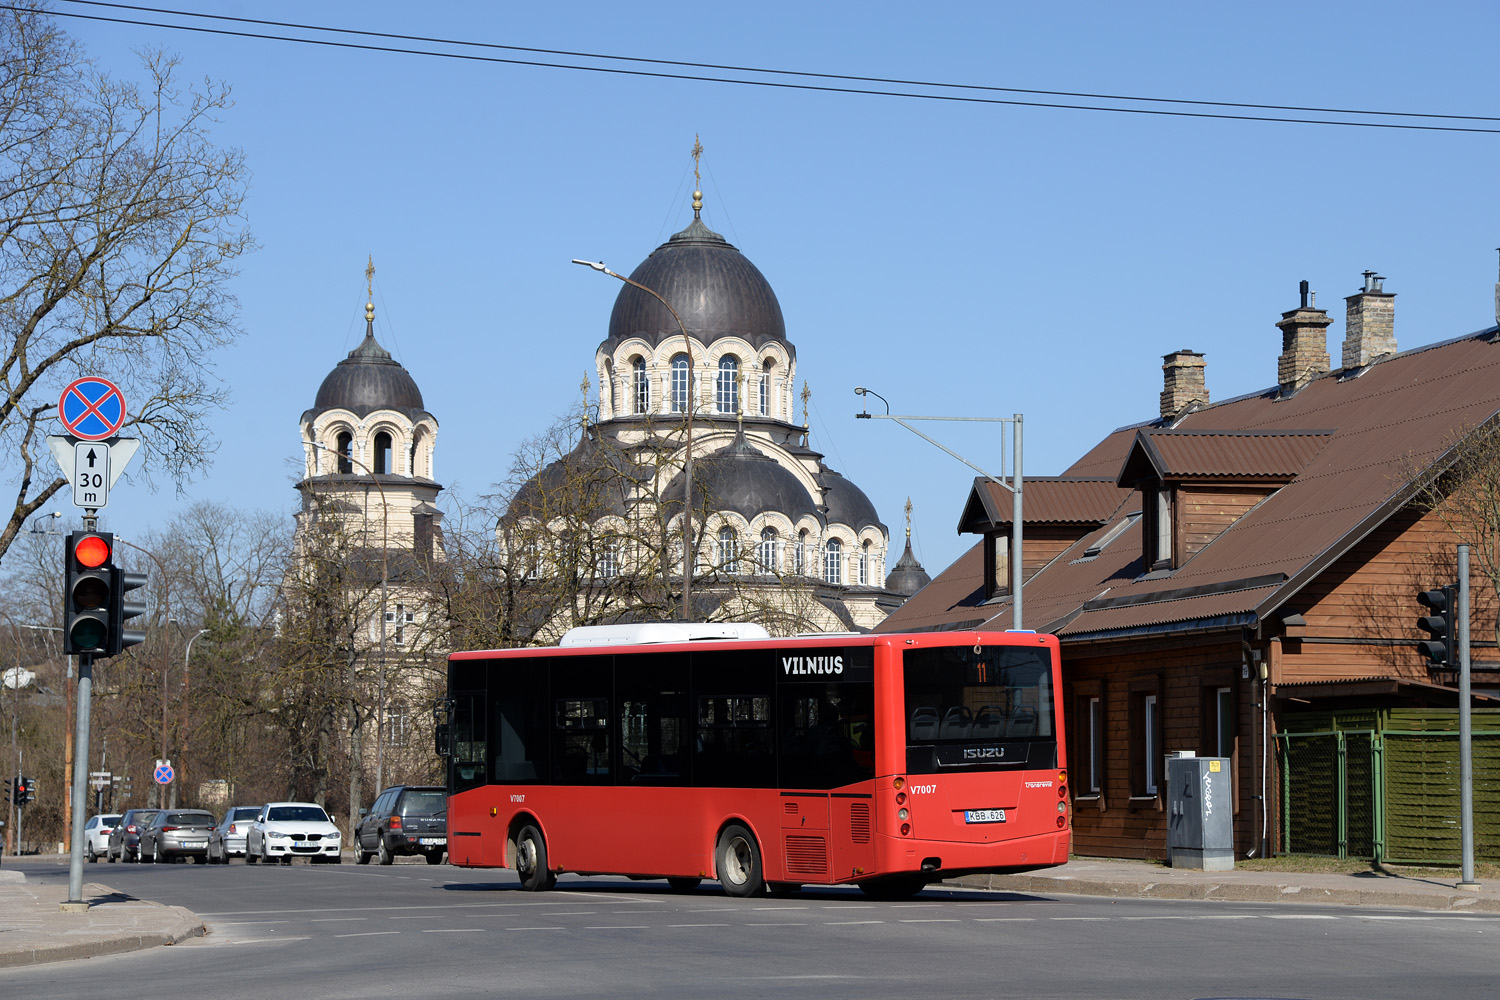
(385,538)
(688,556)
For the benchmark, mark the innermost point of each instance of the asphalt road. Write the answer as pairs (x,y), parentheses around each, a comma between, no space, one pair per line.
(416,931)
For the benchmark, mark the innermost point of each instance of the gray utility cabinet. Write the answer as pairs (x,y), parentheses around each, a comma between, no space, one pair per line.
(1200,813)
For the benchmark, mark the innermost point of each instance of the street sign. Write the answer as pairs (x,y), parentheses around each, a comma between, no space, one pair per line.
(91,479)
(163,774)
(92,408)
(121,451)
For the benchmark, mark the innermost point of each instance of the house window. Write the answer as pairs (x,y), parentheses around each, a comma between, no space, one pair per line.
(680,383)
(382,453)
(397,727)
(833,561)
(609,559)
(1089,779)
(642,386)
(1159,528)
(400,618)
(727,397)
(729,551)
(1145,737)
(767,560)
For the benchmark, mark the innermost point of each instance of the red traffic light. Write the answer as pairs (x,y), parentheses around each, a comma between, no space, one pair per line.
(91,551)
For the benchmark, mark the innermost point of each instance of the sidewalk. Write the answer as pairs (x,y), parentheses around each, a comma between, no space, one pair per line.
(33,928)
(1150,880)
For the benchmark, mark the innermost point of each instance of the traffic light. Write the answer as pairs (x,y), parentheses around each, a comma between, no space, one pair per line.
(88,588)
(1439,625)
(22,792)
(121,608)
(29,792)
(10,790)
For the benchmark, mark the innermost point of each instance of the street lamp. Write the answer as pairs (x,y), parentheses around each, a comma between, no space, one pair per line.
(1015,485)
(687,465)
(385,514)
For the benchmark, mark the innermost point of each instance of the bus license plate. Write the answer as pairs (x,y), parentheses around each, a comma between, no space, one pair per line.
(984,815)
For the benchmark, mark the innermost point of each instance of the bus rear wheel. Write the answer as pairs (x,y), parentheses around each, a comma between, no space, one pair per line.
(895,887)
(737,859)
(531,860)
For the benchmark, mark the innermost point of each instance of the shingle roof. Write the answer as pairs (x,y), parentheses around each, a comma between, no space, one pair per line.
(1177,454)
(1049,499)
(1358,439)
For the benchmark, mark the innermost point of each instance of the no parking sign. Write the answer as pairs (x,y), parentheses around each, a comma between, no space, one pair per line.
(92,408)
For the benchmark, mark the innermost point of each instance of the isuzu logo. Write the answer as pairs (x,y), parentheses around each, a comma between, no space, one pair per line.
(983,753)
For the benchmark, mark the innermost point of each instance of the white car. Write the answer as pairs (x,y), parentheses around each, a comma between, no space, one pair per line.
(96,835)
(286,830)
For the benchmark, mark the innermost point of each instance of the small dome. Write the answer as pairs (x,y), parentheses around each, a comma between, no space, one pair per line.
(369,380)
(847,503)
(741,478)
(589,482)
(714,288)
(908,577)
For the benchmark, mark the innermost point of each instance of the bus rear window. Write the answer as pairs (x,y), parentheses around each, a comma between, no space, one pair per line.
(955,695)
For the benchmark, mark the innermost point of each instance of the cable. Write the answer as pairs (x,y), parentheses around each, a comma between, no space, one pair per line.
(952,98)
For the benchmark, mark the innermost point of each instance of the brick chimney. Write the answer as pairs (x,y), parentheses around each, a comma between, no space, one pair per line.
(1183,383)
(1304,344)
(1370,326)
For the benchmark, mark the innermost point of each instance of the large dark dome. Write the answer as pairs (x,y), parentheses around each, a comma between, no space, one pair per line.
(369,380)
(713,287)
(847,503)
(744,479)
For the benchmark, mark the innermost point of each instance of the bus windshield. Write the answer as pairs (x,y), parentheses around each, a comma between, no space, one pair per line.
(984,706)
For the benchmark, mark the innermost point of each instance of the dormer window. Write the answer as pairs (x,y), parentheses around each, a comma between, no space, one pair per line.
(1159,522)
(997,564)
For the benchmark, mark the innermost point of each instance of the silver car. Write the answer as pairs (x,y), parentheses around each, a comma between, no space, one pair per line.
(228,838)
(177,833)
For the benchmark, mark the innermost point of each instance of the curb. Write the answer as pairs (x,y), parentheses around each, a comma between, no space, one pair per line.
(1226,891)
(188,925)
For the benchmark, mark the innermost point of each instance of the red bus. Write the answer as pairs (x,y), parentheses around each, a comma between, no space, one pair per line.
(887,761)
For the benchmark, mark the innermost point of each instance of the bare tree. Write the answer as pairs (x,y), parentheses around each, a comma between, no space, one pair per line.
(120,222)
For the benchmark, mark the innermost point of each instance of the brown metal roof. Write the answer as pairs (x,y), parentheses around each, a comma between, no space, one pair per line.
(1241,456)
(1399,415)
(1046,499)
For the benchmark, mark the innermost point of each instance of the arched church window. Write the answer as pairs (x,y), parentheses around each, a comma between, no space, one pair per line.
(727,398)
(864,565)
(383,453)
(800,553)
(765,390)
(729,550)
(642,387)
(346,452)
(767,560)
(833,561)
(679,383)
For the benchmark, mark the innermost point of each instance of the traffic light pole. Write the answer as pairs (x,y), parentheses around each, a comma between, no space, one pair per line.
(75,902)
(1465,731)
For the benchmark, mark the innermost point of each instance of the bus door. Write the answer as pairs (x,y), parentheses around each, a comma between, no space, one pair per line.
(804,835)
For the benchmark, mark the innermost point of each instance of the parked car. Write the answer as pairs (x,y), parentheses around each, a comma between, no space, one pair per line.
(96,834)
(125,838)
(287,830)
(177,833)
(406,819)
(227,838)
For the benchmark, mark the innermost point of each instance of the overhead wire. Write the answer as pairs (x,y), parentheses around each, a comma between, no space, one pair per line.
(775,84)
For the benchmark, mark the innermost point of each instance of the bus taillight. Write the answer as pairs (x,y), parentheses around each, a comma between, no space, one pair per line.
(899,784)
(905,829)
(1062,784)
(900,798)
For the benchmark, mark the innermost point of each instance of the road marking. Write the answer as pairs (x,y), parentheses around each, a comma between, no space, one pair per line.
(1082,919)
(697,925)
(760,924)
(454,930)
(271,940)
(929,920)
(367,934)
(419,916)
(1004,920)
(536,928)
(330,920)
(849,923)
(618,927)
(1299,916)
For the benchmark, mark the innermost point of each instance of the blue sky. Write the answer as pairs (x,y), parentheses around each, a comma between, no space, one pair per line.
(959,258)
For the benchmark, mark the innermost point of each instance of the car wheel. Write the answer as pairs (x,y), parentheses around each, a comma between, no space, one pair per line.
(250,859)
(737,860)
(361,856)
(434,857)
(156,855)
(91,854)
(383,852)
(531,861)
(108,855)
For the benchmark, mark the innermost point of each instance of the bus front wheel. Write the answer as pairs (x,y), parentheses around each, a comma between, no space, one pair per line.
(738,862)
(531,860)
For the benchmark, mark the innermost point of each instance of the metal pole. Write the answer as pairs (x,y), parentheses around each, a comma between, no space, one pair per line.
(1465,732)
(1015,533)
(75,902)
